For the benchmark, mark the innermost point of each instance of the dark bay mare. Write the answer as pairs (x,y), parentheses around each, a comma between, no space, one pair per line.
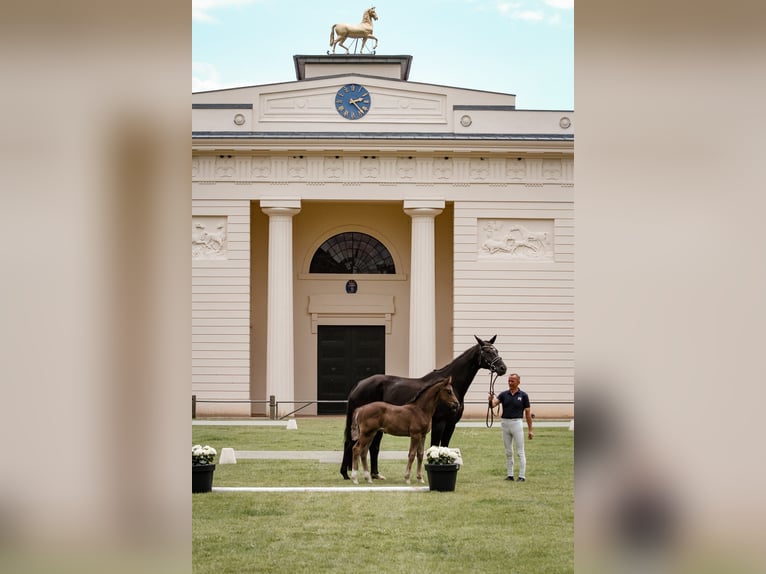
(412,419)
(400,390)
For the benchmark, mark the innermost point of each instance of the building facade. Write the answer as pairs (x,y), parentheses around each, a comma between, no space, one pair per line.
(352,222)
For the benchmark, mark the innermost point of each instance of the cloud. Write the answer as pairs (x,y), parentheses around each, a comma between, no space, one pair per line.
(205,77)
(201,9)
(528,15)
(563,4)
(507,7)
(538,12)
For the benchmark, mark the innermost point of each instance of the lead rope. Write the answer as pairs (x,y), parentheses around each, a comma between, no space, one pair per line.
(490,420)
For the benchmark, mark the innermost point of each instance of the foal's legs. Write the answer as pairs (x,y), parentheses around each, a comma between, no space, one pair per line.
(374,450)
(410,458)
(360,450)
(365,449)
(355,462)
(421,444)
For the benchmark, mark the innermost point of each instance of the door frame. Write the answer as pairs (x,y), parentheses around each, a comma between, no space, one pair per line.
(352,360)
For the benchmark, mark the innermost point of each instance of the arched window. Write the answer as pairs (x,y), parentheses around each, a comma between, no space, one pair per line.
(352,252)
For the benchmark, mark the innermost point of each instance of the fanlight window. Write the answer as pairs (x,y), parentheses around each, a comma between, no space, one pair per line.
(352,252)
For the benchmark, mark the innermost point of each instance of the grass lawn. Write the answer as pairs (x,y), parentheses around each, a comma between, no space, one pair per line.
(487,525)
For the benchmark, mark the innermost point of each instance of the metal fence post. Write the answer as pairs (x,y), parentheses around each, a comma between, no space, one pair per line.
(272,407)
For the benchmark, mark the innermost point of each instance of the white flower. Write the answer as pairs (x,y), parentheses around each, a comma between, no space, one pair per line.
(203,454)
(444,455)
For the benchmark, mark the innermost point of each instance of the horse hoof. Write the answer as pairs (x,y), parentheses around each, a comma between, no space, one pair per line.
(378,476)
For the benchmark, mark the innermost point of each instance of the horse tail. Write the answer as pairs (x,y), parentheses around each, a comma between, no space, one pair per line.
(349,424)
(332,34)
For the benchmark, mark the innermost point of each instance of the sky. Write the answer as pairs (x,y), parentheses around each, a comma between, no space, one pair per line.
(523,47)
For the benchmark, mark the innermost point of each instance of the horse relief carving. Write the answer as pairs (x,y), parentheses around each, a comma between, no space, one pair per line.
(208,244)
(340,32)
(516,240)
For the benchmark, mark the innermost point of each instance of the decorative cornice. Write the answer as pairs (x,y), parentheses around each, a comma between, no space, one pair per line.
(425,170)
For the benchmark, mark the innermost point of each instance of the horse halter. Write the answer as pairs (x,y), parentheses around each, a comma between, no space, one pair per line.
(491,363)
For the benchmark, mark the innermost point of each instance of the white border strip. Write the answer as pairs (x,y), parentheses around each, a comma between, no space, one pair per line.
(353,488)
(238,423)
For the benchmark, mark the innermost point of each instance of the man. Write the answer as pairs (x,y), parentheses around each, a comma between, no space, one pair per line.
(515,406)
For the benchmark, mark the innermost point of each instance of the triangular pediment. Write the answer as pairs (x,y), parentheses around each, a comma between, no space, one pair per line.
(311,103)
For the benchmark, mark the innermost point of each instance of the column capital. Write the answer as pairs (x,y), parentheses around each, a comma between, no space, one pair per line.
(280,206)
(423,204)
(423,207)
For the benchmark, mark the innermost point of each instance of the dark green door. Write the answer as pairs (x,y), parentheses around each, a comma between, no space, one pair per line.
(345,355)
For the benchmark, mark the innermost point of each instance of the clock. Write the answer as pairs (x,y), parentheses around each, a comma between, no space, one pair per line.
(353,101)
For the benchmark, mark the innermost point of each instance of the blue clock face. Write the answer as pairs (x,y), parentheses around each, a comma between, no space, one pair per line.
(353,101)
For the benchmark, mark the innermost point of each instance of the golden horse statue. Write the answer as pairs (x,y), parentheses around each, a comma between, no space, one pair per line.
(339,32)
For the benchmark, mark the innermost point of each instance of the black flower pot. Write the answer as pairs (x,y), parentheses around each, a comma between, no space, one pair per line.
(442,477)
(202,477)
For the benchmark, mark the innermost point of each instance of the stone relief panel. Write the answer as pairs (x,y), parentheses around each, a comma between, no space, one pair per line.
(369,167)
(442,168)
(260,168)
(405,167)
(552,169)
(479,168)
(526,239)
(333,167)
(296,167)
(209,237)
(516,169)
(224,167)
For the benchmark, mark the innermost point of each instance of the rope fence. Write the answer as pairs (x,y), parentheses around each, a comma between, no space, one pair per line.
(273,404)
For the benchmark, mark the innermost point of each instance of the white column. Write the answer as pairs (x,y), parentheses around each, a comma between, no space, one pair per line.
(280,367)
(422,285)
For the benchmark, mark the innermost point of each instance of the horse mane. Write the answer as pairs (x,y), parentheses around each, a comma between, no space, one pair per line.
(424,389)
(459,359)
